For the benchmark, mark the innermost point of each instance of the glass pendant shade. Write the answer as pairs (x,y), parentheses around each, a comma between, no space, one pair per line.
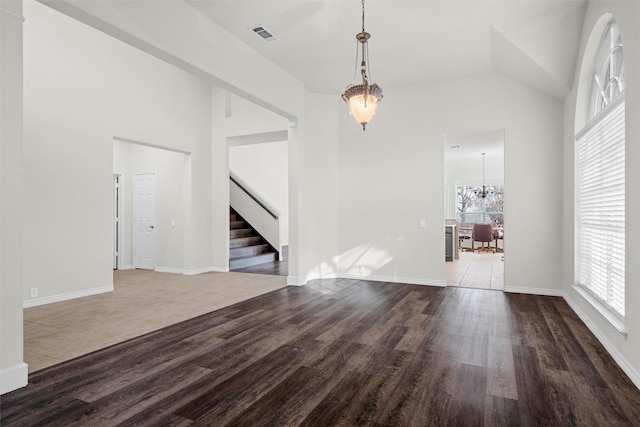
(360,107)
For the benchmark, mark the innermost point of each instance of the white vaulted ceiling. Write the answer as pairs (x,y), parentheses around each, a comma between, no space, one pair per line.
(532,41)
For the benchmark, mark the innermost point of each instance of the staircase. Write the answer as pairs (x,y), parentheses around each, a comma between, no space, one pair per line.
(246,246)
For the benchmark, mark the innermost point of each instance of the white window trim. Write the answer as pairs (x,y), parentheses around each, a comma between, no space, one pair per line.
(605,312)
(595,120)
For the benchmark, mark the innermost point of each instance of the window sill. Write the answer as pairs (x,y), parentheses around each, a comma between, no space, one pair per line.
(604,311)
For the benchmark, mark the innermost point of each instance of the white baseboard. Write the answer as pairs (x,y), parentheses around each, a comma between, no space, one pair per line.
(13,378)
(33,302)
(533,291)
(295,281)
(316,276)
(624,364)
(191,272)
(209,270)
(126,267)
(168,270)
(403,280)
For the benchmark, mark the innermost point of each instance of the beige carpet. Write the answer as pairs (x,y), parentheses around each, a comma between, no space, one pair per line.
(142,301)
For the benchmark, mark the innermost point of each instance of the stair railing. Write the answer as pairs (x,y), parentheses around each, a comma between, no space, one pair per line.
(254,195)
(256,210)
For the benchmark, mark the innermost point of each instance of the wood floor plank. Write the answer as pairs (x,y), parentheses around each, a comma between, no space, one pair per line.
(402,402)
(534,401)
(224,401)
(372,400)
(566,403)
(431,404)
(302,390)
(156,365)
(500,411)
(290,395)
(331,411)
(468,406)
(120,405)
(618,384)
(345,352)
(567,346)
(57,408)
(501,379)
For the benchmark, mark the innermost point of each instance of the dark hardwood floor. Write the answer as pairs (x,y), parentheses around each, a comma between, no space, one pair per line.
(345,352)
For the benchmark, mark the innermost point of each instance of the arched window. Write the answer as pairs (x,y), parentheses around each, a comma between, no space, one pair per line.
(601,182)
(608,71)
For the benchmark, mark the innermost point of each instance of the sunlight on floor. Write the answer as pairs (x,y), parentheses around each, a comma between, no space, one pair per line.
(476,270)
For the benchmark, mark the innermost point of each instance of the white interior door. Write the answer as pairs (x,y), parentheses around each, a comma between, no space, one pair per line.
(144,221)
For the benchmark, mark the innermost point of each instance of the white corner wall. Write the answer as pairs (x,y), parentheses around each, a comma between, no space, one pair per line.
(321,187)
(82,88)
(13,371)
(392,175)
(626,351)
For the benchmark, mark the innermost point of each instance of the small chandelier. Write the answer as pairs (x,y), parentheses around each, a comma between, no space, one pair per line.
(362,99)
(485,191)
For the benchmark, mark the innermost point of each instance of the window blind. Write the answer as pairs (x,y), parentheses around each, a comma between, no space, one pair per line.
(601,207)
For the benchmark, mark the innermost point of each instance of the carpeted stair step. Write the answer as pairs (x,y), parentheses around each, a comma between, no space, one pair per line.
(244,241)
(237,224)
(240,232)
(242,262)
(245,251)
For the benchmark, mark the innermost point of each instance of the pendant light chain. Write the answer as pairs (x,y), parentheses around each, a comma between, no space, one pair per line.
(355,69)
(363,16)
(483,154)
(368,64)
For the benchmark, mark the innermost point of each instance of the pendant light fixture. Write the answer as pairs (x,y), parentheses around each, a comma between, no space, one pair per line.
(485,191)
(362,99)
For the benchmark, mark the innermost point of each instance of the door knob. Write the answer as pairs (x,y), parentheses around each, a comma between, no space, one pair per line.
(151,226)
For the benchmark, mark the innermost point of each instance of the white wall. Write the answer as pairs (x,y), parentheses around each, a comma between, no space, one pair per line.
(624,350)
(392,175)
(265,167)
(172,189)
(321,186)
(83,88)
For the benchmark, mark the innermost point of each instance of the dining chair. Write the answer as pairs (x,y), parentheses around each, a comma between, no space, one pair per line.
(483,233)
(465,233)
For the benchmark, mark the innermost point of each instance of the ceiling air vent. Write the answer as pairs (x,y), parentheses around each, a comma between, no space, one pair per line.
(264,34)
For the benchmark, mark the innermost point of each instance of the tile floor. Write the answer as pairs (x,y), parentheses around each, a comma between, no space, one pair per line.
(476,270)
(142,301)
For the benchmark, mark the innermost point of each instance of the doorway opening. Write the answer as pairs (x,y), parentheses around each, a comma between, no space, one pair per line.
(154,193)
(258,166)
(259,200)
(474,209)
